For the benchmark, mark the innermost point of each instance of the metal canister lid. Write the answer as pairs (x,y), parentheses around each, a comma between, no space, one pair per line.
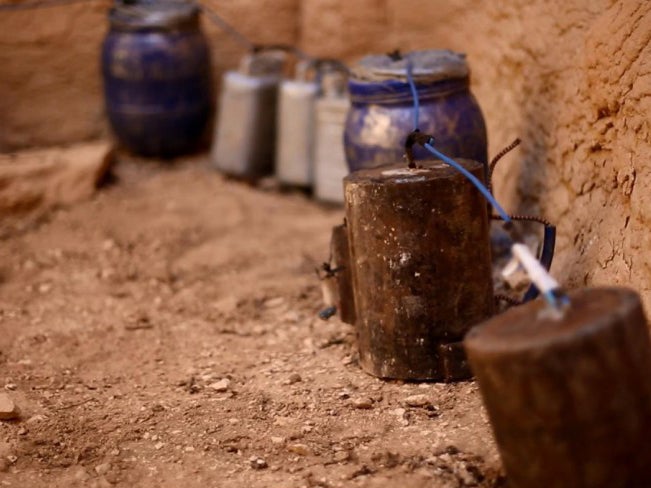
(428,66)
(141,15)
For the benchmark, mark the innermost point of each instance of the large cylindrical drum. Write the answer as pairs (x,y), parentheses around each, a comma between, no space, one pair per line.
(382,112)
(421,269)
(157,78)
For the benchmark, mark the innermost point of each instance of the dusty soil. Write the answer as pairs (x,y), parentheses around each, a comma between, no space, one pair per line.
(121,318)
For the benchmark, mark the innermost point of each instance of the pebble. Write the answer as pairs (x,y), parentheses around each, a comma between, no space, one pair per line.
(294,378)
(363,403)
(274,302)
(258,463)
(159,445)
(221,385)
(102,469)
(341,456)
(8,410)
(277,440)
(10,386)
(300,449)
(417,401)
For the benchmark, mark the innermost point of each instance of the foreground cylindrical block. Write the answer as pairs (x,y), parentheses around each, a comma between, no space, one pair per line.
(569,399)
(420,263)
(340,253)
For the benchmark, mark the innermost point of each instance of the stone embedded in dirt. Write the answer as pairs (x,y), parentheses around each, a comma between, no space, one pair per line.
(102,469)
(159,445)
(363,403)
(294,378)
(139,320)
(221,385)
(274,302)
(418,401)
(258,463)
(341,456)
(300,449)
(8,410)
(10,386)
(277,440)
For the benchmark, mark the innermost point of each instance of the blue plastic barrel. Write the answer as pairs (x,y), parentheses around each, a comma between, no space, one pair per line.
(157,78)
(382,113)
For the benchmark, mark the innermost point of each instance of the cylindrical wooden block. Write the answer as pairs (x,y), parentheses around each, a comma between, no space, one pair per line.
(421,265)
(341,263)
(569,399)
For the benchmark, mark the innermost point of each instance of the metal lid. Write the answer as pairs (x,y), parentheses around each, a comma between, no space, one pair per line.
(138,15)
(428,66)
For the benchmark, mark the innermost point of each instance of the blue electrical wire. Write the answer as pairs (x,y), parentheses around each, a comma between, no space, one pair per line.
(414,92)
(473,179)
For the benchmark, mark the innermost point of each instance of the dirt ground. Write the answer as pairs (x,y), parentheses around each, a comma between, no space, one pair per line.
(165,334)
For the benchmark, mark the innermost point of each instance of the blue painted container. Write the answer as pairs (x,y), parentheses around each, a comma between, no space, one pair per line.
(157,78)
(381,114)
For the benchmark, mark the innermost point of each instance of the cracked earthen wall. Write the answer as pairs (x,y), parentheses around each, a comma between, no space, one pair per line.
(572,78)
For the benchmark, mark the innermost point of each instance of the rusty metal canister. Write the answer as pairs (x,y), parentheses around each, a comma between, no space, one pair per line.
(245,134)
(295,129)
(421,267)
(330,166)
(569,398)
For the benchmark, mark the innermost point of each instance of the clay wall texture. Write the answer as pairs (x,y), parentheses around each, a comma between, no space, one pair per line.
(571,78)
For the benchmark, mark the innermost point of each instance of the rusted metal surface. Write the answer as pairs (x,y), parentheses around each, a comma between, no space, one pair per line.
(421,265)
(569,399)
(341,263)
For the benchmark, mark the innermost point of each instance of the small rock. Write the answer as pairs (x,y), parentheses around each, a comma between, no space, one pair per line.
(277,440)
(418,401)
(274,302)
(159,445)
(189,449)
(10,386)
(221,385)
(258,463)
(292,317)
(363,403)
(108,244)
(44,287)
(341,456)
(102,469)
(300,449)
(22,431)
(8,410)
(294,378)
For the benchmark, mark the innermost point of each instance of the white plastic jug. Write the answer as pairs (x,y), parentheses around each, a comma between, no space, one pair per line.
(295,128)
(330,166)
(245,133)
